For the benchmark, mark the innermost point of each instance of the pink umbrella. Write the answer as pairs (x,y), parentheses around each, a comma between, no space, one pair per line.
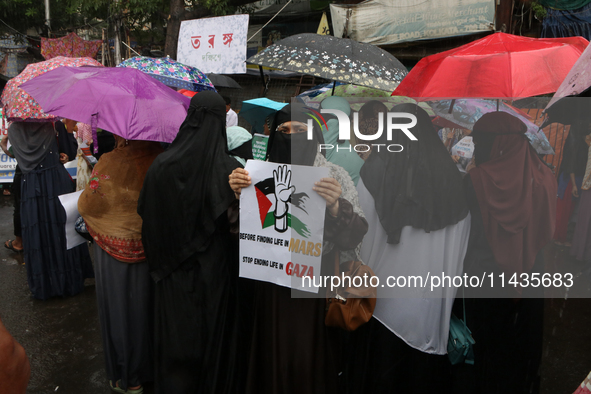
(124,101)
(19,105)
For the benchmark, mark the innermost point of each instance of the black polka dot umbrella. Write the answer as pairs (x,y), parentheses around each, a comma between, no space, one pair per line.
(339,59)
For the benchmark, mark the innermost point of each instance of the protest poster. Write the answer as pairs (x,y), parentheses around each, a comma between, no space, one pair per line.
(7,163)
(281,224)
(7,168)
(259,146)
(214,45)
(464,150)
(70,203)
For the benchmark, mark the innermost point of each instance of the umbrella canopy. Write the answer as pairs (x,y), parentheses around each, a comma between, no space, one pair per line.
(498,65)
(339,59)
(357,102)
(223,81)
(123,101)
(567,105)
(317,90)
(70,46)
(255,111)
(186,92)
(353,91)
(466,112)
(19,105)
(170,72)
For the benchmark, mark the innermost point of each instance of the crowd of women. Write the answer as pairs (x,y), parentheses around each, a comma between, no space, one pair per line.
(173,309)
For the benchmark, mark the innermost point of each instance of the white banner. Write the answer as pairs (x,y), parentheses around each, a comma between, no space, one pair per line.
(70,203)
(282,224)
(214,45)
(7,168)
(7,163)
(383,22)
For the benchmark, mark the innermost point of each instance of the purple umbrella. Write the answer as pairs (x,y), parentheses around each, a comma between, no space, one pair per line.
(124,101)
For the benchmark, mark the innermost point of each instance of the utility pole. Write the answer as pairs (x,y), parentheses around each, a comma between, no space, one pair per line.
(104,50)
(47,18)
(86,35)
(117,41)
(117,34)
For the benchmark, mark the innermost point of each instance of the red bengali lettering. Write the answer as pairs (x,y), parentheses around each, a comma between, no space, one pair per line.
(228,39)
(195,42)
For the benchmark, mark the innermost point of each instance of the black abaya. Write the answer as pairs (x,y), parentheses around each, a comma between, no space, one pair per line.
(197,343)
(293,351)
(184,205)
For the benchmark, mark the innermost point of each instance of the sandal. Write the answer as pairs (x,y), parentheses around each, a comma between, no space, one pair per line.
(118,389)
(8,245)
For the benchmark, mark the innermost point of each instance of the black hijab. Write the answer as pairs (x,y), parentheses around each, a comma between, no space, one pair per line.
(186,189)
(293,148)
(420,186)
(30,143)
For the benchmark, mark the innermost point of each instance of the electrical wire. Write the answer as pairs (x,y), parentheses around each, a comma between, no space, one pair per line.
(19,33)
(278,12)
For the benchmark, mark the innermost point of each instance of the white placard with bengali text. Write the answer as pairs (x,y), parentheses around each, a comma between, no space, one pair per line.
(281,242)
(214,45)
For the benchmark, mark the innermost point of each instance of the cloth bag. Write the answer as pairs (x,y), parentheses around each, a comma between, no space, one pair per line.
(459,344)
(350,306)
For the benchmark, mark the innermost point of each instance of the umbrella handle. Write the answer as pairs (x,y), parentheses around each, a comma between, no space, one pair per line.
(93,124)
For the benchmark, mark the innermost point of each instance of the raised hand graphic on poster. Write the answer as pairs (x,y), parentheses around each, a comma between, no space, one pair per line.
(283,192)
(282,224)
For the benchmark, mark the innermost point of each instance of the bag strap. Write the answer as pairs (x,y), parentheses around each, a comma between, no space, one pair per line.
(337,263)
(464,305)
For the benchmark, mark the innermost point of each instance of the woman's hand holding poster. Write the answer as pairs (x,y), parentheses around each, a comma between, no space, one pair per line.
(282,225)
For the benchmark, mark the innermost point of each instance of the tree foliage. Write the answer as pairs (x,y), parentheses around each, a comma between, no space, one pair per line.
(148,20)
(22,15)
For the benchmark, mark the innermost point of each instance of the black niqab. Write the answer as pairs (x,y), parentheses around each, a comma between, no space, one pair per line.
(186,189)
(419,186)
(293,148)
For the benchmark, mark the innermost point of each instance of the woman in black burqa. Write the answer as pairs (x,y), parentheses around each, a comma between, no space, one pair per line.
(185,206)
(292,350)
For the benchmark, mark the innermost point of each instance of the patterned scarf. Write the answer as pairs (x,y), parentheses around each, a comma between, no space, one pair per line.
(109,203)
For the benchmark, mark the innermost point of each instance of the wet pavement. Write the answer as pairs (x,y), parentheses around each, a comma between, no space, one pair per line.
(63,342)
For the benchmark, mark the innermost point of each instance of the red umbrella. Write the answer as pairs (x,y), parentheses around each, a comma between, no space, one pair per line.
(496,66)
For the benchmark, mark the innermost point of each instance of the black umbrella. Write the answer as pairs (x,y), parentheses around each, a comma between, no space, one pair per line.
(339,59)
(223,81)
(570,110)
(570,104)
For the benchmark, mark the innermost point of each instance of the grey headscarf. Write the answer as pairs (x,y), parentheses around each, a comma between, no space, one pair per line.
(30,142)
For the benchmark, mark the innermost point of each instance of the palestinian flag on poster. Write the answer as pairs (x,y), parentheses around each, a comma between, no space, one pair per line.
(265,192)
